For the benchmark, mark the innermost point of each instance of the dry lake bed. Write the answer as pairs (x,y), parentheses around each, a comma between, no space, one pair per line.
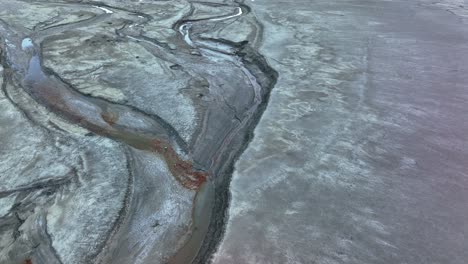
(231,132)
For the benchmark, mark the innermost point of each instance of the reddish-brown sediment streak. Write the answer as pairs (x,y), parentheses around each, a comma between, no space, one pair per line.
(28,261)
(95,115)
(182,170)
(110,117)
(102,117)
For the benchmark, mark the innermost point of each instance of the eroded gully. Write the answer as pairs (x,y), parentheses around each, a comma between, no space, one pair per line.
(238,81)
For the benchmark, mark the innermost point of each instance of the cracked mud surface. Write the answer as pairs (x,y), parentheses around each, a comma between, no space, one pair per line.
(121,123)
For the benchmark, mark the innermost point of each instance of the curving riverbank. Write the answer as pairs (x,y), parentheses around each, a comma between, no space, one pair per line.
(229,84)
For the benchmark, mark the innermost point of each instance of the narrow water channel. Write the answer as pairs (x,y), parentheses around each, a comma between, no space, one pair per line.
(236,80)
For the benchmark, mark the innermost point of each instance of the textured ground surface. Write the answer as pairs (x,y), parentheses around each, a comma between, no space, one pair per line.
(120,122)
(362,153)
